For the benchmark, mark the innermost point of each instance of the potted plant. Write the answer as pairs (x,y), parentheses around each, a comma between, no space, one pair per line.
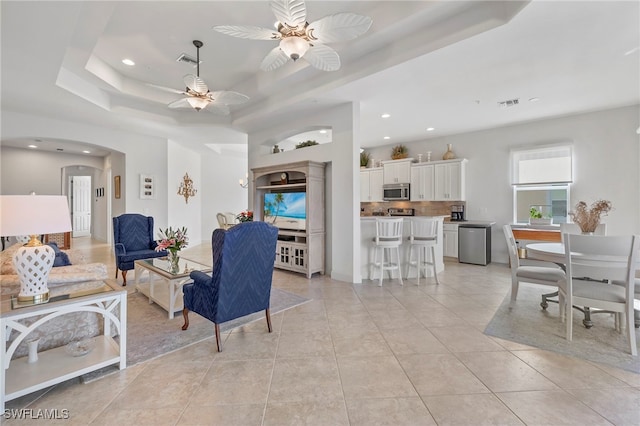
(364,159)
(540,215)
(399,151)
(306,143)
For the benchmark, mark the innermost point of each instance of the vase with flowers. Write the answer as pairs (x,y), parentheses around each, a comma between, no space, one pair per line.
(173,240)
(246,216)
(588,218)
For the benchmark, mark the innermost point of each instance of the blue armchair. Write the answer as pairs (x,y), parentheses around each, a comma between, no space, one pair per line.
(240,283)
(133,240)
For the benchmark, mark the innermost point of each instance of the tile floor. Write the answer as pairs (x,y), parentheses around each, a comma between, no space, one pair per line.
(357,355)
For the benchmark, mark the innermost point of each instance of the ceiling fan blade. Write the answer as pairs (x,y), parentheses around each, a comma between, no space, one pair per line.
(274,59)
(196,84)
(166,89)
(323,57)
(218,109)
(247,31)
(290,12)
(228,97)
(338,27)
(180,103)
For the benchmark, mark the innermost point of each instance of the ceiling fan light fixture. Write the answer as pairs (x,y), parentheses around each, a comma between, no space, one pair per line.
(197,103)
(294,47)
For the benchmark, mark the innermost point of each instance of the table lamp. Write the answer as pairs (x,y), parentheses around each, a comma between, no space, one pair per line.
(33,215)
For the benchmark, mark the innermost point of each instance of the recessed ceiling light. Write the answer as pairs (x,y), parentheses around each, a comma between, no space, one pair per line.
(385,115)
(32,146)
(128,62)
(534,99)
(430,129)
(387,137)
(86,152)
(323,131)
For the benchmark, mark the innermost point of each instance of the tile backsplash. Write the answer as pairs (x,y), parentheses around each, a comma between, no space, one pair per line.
(422,208)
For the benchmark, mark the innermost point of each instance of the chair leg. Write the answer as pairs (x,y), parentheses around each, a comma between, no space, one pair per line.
(399,265)
(381,266)
(217,327)
(124,278)
(185,315)
(116,272)
(631,330)
(433,261)
(569,315)
(268,315)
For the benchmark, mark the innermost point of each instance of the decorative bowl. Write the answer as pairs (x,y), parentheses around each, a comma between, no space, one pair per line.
(80,347)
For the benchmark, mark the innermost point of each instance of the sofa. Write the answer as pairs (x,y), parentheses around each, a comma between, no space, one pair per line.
(66,328)
(78,271)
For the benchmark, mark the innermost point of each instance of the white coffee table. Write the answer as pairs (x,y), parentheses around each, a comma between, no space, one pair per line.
(164,286)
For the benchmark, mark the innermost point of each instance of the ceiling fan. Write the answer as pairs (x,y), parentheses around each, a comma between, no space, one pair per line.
(298,38)
(198,95)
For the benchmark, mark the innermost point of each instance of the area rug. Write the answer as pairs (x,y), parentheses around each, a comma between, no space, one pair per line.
(528,324)
(150,332)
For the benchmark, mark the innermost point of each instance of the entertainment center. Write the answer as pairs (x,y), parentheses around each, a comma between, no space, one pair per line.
(291,197)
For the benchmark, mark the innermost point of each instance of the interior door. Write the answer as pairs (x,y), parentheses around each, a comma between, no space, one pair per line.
(81,205)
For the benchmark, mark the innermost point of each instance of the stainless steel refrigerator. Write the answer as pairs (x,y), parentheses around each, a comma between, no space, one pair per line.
(474,244)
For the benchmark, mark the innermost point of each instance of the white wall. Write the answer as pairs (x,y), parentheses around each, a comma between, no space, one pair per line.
(180,213)
(25,170)
(220,190)
(606,160)
(144,154)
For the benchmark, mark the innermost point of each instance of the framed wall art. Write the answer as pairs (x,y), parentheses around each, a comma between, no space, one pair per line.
(116,187)
(147,187)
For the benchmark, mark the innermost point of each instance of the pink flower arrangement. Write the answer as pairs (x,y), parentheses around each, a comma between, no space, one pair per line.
(245,216)
(173,240)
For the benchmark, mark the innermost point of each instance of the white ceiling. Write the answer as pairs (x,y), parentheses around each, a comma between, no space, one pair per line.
(441,64)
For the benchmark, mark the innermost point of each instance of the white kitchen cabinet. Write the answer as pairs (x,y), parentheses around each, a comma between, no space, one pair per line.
(450,240)
(422,182)
(397,171)
(371,185)
(449,178)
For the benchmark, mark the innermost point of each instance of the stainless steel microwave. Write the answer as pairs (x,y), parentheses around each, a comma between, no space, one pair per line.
(395,191)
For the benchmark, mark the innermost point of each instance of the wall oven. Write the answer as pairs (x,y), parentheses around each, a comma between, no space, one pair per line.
(395,192)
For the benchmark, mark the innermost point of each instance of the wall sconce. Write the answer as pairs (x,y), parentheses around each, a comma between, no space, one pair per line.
(244,182)
(186,188)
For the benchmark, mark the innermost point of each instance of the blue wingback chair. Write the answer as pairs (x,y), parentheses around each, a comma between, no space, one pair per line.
(240,283)
(133,240)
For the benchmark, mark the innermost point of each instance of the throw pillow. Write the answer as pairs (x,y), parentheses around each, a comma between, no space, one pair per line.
(62,259)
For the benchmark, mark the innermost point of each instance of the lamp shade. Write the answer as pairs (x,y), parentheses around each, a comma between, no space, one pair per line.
(33,214)
(294,47)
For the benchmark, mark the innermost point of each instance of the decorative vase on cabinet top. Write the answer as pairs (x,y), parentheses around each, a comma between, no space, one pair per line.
(449,155)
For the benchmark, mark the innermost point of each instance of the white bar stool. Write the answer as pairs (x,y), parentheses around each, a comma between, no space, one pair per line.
(424,235)
(388,238)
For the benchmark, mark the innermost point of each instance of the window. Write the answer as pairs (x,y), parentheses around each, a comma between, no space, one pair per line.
(541,176)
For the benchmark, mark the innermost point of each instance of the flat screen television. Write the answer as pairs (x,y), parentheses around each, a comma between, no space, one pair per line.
(286,210)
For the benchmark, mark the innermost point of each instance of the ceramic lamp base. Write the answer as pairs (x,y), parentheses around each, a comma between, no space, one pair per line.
(32,265)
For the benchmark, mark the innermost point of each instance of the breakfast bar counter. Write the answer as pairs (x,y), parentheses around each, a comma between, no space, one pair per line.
(368,233)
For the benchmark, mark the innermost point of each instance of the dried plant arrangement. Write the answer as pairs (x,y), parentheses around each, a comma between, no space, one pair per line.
(588,218)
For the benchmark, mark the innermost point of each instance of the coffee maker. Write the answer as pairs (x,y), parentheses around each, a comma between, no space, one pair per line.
(457,213)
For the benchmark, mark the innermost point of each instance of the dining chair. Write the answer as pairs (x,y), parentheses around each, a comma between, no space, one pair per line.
(574,228)
(547,275)
(423,238)
(388,239)
(602,259)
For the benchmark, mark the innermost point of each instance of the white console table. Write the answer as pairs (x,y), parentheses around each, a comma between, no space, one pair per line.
(56,365)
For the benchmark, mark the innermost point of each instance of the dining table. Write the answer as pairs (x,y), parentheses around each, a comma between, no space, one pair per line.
(554,252)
